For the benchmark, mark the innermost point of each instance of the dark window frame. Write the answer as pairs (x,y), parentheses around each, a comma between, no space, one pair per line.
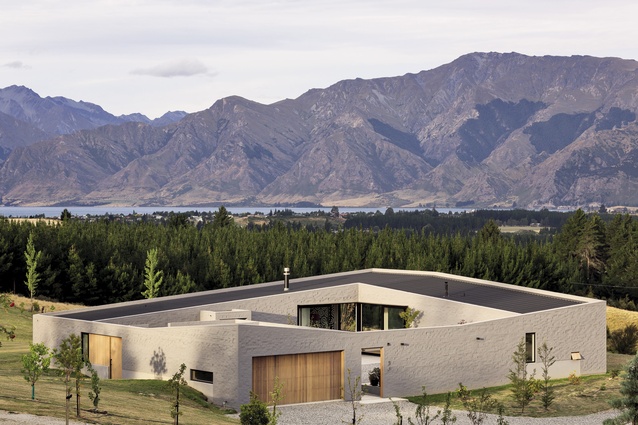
(530,355)
(194,376)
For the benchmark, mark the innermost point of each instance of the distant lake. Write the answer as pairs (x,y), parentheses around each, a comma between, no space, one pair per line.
(80,211)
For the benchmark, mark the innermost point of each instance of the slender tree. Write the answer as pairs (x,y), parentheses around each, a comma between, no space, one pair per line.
(35,363)
(68,360)
(593,248)
(522,390)
(447,416)
(96,389)
(476,406)
(354,393)
(422,414)
(33,277)
(547,360)
(175,384)
(152,276)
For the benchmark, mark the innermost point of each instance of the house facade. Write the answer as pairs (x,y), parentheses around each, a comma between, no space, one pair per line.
(320,334)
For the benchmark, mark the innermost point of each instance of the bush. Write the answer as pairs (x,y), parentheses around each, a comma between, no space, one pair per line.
(574,379)
(255,412)
(374,376)
(623,341)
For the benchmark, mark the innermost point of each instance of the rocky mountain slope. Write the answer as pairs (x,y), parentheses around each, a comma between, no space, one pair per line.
(27,118)
(487,129)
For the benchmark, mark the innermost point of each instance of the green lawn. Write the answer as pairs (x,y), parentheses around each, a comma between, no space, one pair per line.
(127,402)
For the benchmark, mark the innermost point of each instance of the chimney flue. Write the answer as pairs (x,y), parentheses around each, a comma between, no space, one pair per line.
(286,277)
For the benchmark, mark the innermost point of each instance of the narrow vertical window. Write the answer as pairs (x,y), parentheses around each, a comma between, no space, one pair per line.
(530,347)
(85,346)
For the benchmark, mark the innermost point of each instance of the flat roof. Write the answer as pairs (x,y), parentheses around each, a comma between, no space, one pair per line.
(470,291)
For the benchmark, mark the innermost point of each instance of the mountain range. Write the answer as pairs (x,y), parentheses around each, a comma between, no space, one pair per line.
(488,129)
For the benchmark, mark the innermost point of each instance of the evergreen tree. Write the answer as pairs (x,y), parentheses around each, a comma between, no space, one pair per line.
(489,232)
(33,277)
(96,389)
(522,389)
(221,218)
(592,248)
(628,403)
(547,359)
(152,277)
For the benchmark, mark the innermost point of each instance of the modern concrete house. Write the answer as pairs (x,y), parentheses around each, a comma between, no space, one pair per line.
(325,329)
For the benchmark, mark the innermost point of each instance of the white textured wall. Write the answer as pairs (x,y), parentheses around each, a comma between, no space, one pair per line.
(438,354)
(211,348)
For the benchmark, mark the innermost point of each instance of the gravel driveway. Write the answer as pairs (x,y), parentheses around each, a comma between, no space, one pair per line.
(382,413)
(340,412)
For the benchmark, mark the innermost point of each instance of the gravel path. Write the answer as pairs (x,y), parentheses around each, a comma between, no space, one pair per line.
(10,418)
(340,412)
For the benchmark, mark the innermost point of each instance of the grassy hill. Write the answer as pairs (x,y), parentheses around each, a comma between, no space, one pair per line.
(127,402)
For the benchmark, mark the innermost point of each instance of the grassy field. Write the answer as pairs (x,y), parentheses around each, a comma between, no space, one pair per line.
(137,402)
(618,319)
(127,402)
(520,229)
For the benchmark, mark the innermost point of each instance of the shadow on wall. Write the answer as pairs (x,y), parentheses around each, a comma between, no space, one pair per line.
(158,363)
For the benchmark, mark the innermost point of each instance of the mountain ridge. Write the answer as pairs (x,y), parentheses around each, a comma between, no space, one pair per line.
(487,129)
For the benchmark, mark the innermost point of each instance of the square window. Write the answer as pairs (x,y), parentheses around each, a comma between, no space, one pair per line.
(576,355)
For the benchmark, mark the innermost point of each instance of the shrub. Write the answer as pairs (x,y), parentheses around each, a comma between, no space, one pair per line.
(623,341)
(573,379)
(255,412)
(374,376)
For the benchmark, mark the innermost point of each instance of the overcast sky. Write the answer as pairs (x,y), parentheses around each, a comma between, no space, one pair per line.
(152,56)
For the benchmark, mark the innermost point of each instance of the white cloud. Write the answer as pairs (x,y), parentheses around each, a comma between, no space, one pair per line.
(267,50)
(16,65)
(176,68)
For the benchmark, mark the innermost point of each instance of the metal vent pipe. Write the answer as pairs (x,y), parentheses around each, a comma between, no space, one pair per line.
(286,278)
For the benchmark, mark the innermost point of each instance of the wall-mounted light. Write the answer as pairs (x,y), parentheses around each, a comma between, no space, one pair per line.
(388,344)
(478,338)
(405,344)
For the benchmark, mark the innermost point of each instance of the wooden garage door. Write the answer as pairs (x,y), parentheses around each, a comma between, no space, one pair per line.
(305,377)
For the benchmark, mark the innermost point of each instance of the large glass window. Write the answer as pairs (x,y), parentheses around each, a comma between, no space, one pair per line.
(394,320)
(320,316)
(371,317)
(351,317)
(348,317)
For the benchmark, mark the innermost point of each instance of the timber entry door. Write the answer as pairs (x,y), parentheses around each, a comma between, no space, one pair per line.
(304,377)
(106,351)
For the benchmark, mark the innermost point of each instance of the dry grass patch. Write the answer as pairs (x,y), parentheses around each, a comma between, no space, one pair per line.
(618,319)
